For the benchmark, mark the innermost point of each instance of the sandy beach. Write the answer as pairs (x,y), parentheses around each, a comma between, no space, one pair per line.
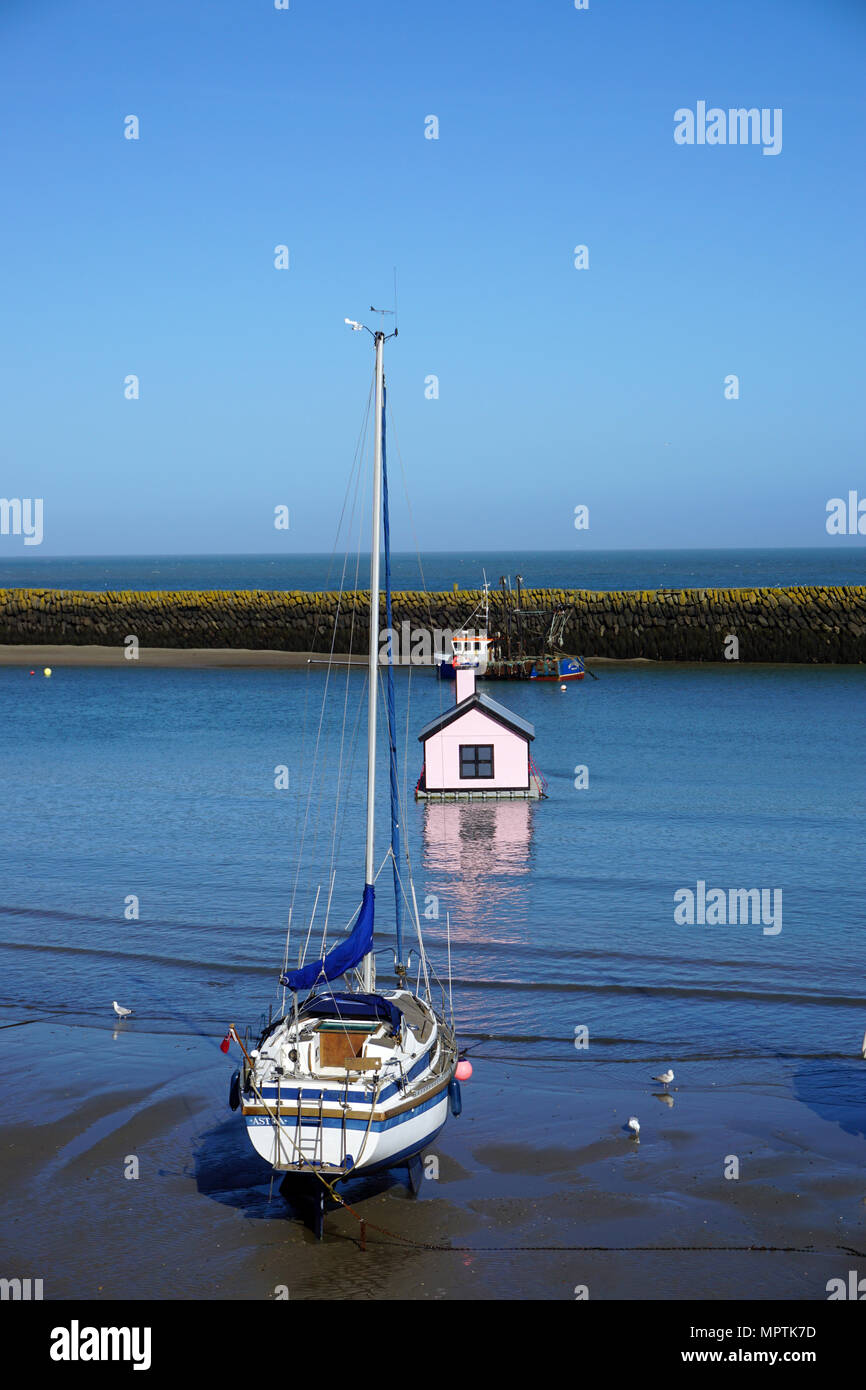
(203,657)
(181,657)
(39,657)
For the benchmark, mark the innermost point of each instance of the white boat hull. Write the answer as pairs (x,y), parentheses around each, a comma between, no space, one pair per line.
(378,1109)
(344,1146)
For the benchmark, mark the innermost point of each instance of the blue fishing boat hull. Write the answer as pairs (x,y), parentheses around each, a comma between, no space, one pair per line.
(568,668)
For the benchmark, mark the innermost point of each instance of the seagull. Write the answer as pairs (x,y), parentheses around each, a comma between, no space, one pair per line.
(634,1126)
(864,1044)
(666,1077)
(120,1010)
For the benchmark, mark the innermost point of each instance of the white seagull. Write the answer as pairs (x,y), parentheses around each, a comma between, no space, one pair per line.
(634,1126)
(666,1077)
(120,1010)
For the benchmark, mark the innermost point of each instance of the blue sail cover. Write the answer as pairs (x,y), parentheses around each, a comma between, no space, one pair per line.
(342,957)
(349,1006)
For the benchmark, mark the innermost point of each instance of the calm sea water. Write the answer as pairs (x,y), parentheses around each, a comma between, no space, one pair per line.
(160,784)
(565,569)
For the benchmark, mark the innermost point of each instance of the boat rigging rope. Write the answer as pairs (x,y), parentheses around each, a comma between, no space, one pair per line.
(355,474)
(338,824)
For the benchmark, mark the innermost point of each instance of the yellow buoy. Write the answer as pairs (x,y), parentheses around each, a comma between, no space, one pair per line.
(47,671)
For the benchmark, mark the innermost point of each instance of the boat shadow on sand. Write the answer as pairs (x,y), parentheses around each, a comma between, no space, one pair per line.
(227,1171)
(834,1089)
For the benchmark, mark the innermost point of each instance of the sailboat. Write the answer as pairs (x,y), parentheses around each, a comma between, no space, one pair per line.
(350,1079)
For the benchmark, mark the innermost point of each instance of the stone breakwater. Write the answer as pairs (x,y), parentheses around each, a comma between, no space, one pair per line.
(809,624)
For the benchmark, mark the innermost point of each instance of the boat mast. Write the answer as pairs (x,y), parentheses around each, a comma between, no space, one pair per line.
(373,667)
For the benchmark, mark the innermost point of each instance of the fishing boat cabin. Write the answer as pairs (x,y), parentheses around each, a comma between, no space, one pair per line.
(478,751)
(469,648)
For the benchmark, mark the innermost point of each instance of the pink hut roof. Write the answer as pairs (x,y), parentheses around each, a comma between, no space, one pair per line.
(488,706)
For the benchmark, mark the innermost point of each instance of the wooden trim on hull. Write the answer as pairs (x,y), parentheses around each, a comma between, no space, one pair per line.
(289,1109)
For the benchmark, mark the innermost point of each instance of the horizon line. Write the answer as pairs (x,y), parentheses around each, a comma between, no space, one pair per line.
(829,545)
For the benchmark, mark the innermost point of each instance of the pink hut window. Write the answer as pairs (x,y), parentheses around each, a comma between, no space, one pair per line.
(476,760)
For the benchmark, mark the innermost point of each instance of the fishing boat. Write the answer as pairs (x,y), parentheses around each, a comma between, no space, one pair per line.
(351,1079)
(470,646)
(518,650)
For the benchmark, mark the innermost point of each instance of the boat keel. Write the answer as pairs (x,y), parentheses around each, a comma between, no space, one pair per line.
(308,1195)
(416,1174)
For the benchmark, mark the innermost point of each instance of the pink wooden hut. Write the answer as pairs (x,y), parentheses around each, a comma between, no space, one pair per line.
(477,751)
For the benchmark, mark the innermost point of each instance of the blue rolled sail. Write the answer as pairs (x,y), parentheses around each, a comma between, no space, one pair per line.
(344,956)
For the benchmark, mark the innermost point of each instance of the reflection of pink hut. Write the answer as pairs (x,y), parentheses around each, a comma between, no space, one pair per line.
(477,751)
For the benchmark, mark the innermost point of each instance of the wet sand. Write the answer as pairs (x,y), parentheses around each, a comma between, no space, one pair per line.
(538,1162)
(40,657)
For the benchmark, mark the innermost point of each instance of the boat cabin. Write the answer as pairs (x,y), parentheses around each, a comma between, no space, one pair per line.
(471,648)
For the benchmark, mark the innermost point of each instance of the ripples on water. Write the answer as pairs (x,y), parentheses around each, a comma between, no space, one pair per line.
(159,783)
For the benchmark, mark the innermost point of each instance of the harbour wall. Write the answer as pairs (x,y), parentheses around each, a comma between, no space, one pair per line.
(808,624)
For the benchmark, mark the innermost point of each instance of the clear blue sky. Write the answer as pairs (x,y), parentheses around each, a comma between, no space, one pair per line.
(557,386)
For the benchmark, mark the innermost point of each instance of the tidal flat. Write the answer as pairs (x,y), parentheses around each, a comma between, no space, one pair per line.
(535,1191)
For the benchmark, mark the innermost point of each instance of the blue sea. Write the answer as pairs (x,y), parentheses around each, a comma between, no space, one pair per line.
(440,571)
(158,786)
